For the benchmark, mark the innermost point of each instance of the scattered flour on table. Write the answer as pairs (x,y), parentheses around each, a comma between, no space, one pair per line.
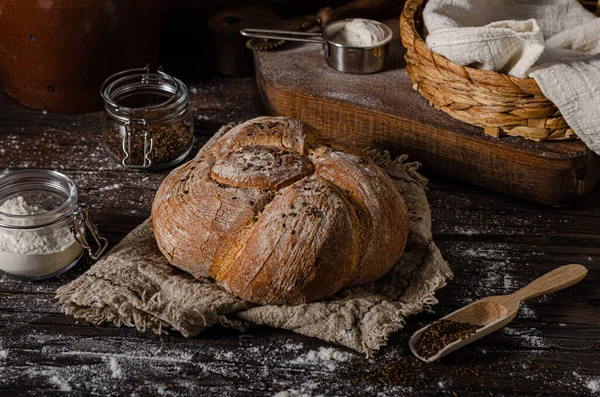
(166,390)
(135,359)
(106,369)
(496,270)
(467,232)
(227,355)
(593,384)
(296,393)
(534,341)
(62,384)
(502,223)
(3,354)
(527,312)
(111,187)
(508,282)
(293,346)
(495,277)
(115,368)
(306,389)
(326,356)
(150,357)
(530,337)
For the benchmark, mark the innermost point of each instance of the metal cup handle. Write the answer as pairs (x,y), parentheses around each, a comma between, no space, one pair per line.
(307,37)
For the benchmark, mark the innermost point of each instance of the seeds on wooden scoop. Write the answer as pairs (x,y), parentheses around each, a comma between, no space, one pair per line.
(442,333)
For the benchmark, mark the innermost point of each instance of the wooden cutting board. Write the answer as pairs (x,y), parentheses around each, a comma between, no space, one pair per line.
(383,110)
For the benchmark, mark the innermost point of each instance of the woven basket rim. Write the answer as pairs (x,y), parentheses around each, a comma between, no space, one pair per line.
(407,17)
(499,103)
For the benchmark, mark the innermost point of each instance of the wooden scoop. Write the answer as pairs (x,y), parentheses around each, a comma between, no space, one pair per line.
(494,312)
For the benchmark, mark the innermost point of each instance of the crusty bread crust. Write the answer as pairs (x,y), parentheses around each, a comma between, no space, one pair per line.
(278,216)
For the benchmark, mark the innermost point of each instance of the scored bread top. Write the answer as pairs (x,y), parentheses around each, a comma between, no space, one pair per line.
(277,215)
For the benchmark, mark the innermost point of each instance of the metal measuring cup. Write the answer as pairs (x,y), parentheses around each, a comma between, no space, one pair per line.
(346,59)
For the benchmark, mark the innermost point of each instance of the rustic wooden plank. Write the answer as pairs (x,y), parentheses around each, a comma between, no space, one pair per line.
(494,243)
(100,180)
(233,366)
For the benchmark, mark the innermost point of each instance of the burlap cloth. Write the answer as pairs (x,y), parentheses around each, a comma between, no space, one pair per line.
(134,285)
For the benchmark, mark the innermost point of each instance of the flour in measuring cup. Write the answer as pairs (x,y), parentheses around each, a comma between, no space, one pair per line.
(360,33)
(35,252)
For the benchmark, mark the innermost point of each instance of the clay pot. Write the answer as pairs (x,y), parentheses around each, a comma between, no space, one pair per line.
(55,54)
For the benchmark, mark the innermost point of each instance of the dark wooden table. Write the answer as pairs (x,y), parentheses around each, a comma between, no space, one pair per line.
(494,243)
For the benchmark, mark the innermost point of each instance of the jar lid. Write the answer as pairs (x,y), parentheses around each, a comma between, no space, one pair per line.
(137,94)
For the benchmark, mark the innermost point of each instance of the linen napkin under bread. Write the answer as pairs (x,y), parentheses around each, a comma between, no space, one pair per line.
(134,285)
(556,42)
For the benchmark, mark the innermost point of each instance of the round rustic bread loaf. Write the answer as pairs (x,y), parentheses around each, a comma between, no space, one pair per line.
(278,216)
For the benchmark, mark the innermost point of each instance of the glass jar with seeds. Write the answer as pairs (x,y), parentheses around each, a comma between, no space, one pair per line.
(148,123)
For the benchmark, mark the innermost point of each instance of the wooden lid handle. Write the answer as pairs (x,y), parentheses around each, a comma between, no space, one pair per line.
(557,279)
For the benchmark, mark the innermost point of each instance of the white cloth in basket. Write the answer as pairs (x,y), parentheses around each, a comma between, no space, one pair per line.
(557,42)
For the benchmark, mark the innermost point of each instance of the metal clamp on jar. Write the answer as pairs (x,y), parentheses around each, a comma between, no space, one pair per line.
(148,123)
(43,229)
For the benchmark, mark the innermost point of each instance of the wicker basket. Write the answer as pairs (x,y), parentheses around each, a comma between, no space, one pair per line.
(497,102)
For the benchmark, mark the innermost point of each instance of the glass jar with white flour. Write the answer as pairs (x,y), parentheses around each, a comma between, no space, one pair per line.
(43,229)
